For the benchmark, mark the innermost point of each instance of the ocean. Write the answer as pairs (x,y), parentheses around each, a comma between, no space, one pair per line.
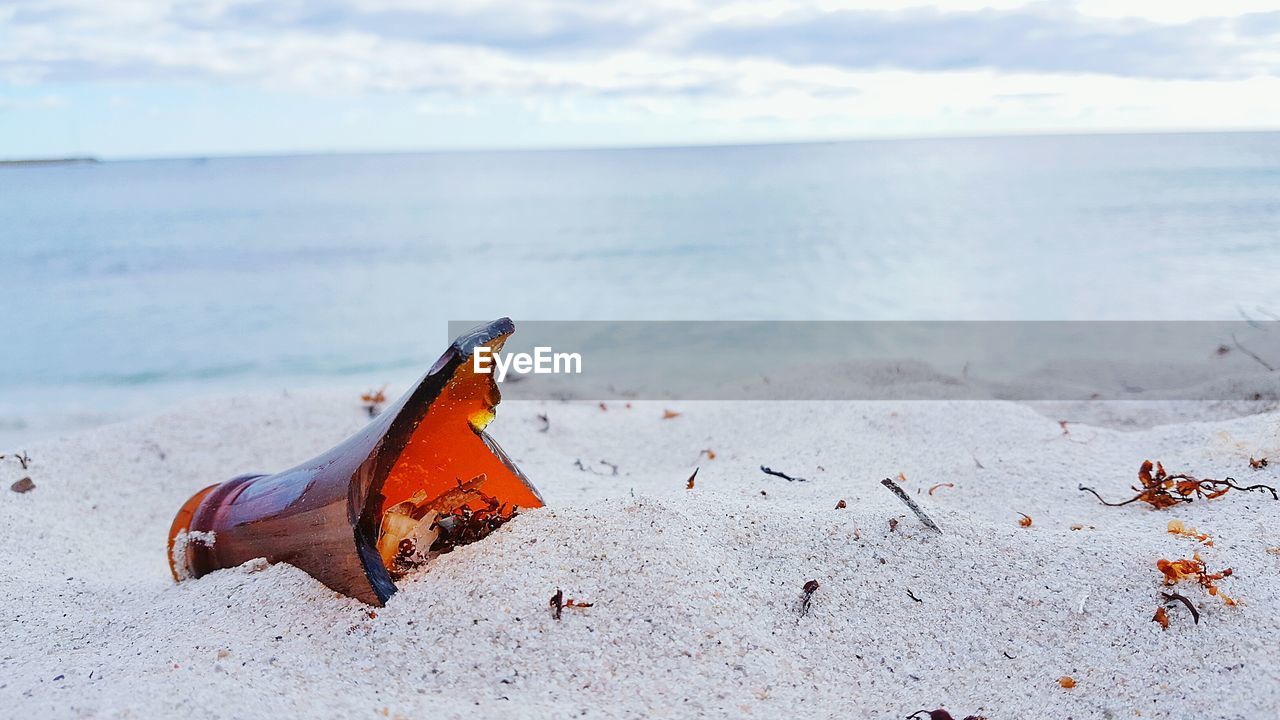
(126,286)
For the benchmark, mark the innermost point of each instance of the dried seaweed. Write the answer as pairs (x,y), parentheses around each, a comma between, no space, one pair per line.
(1161,617)
(1177,527)
(373,400)
(1257,464)
(689,484)
(1195,569)
(1161,490)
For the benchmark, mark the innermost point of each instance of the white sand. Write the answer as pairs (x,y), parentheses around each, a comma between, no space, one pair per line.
(696,593)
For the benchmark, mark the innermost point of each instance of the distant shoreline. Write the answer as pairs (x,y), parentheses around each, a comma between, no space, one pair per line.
(53,161)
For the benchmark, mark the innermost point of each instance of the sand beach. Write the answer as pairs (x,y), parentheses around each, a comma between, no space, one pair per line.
(696,594)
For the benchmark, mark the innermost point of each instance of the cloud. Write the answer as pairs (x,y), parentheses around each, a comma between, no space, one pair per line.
(1032,39)
(41,102)
(1260,25)
(553,46)
(855,66)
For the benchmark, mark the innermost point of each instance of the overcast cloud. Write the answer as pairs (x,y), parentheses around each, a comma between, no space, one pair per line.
(864,66)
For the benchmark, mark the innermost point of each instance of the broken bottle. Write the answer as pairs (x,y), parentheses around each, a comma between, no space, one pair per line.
(421,478)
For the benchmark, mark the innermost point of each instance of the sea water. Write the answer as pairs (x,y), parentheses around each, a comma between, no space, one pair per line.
(125,286)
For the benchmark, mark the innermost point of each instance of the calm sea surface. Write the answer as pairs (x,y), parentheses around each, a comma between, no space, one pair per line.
(127,285)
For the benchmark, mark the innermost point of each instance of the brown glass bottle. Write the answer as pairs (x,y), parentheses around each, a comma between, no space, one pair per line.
(426,456)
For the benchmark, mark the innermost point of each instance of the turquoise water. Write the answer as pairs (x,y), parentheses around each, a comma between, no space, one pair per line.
(126,285)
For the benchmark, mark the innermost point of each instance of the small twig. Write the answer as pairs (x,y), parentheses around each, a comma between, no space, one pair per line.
(1252,354)
(23,459)
(689,484)
(913,596)
(1175,597)
(784,476)
(896,490)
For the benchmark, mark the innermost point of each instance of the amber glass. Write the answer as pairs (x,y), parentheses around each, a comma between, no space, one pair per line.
(427,451)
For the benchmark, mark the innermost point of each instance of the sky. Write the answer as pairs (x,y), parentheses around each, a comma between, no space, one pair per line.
(158,78)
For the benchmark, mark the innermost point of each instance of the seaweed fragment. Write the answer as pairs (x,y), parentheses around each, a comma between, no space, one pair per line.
(1177,527)
(419,529)
(373,401)
(1161,617)
(1257,464)
(1160,489)
(1195,569)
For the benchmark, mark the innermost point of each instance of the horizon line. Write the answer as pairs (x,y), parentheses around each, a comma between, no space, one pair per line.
(83,158)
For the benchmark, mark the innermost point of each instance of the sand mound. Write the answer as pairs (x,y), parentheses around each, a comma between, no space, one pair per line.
(696,593)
